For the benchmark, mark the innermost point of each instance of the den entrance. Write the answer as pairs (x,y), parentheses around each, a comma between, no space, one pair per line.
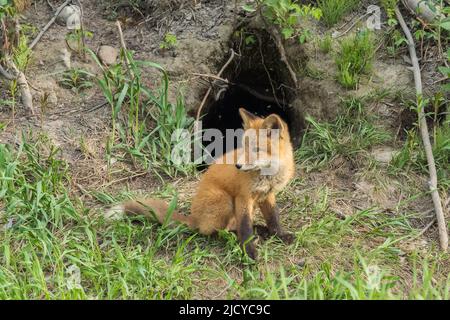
(257,81)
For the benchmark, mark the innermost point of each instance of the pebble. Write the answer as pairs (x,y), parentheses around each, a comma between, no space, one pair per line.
(383,154)
(107,54)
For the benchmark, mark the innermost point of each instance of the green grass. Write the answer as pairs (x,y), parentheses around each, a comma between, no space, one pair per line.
(46,237)
(334,10)
(53,246)
(389,6)
(169,42)
(76,79)
(412,155)
(355,58)
(147,133)
(349,136)
(325,43)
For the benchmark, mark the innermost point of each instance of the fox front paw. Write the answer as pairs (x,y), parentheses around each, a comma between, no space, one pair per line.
(286,237)
(251,252)
(264,232)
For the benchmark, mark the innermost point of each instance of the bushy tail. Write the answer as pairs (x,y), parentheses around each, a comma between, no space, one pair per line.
(147,207)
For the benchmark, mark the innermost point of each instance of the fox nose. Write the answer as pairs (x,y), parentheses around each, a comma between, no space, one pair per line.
(238,166)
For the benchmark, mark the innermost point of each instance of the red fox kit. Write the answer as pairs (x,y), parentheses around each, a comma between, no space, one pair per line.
(229,192)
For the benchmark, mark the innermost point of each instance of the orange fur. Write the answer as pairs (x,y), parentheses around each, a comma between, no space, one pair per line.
(226,196)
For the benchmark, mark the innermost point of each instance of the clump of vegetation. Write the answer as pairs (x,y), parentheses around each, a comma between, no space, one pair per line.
(170,41)
(15,53)
(77,37)
(395,42)
(350,134)
(14,39)
(334,10)
(412,155)
(77,79)
(45,231)
(286,14)
(32,186)
(355,58)
(326,43)
(389,7)
(147,133)
(22,53)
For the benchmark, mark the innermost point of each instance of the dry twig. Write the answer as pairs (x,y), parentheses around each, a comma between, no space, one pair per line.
(443,236)
(124,48)
(199,110)
(49,24)
(338,34)
(240,85)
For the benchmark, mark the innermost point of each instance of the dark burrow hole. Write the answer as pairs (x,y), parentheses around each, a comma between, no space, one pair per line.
(260,83)
(435,116)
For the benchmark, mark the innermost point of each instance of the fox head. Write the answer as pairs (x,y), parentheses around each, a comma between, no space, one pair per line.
(265,143)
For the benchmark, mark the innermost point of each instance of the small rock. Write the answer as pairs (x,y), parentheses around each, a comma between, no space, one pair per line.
(301,262)
(383,154)
(108,55)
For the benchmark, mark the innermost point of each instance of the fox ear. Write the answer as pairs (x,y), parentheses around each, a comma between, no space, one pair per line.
(247,117)
(273,122)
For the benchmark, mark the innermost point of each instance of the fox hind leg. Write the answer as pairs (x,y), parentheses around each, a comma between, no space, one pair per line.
(212,211)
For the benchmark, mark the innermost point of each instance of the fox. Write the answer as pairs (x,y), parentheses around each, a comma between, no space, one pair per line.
(229,192)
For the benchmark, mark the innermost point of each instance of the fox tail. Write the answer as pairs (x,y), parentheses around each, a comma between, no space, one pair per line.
(151,208)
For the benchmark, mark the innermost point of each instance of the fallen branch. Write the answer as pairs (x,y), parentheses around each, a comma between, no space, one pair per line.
(443,236)
(25,93)
(338,34)
(48,25)
(428,226)
(199,110)
(6,74)
(433,221)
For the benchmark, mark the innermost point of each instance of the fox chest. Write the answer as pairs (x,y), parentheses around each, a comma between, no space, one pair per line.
(264,185)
